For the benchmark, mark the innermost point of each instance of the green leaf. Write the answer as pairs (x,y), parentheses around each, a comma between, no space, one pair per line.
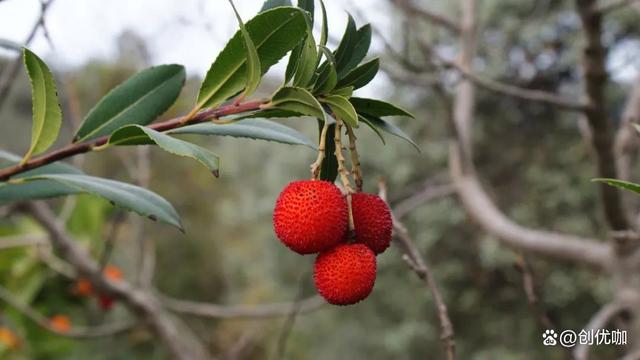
(378,108)
(258,129)
(324,31)
(329,167)
(391,129)
(47,116)
(273,32)
(298,100)
(361,75)
(344,51)
(264,114)
(360,43)
(620,184)
(345,92)
(308,6)
(254,73)
(127,196)
(307,62)
(139,100)
(373,127)
(328,77)
(137,135)
(270,4)
(38,189)
(343,109)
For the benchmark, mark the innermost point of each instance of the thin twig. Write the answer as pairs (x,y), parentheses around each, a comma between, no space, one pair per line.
(438,19)
(8,242)
(531,291)
(287,327)
(428,193)
(83,147)
(264,311)
(8,76)
(418,264)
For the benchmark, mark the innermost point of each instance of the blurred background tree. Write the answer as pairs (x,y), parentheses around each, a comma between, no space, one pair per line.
(536,157)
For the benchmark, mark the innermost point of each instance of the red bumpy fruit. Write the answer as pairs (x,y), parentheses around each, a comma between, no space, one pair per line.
(310,216)
(372,221)
(345,274)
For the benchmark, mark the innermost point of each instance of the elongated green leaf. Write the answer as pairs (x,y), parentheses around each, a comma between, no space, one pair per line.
(329,168)
(270,4)
(328,77)
(136,135)
(292,65)
(324,30)
(258,129)
(307,61)
(47,116)
(390,128)
(342,108)
(377,108)
(372,127)
(37,189)
(359,47)
(361,75)
(254,73)
(620,184)
(297,65)
(265,114)
(273,32)
(139,100)
(298,100)
(127,196)
(343,53)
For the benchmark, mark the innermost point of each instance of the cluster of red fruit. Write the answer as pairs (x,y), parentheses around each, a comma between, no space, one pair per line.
(312,216)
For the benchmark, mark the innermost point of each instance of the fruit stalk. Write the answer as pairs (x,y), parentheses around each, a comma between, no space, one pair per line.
(355,159)
(342,170)
(315,167)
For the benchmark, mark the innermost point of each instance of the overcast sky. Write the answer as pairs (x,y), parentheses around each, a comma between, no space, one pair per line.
(189,32)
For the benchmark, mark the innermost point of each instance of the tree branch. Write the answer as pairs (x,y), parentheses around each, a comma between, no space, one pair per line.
(80,148)
(599,321)
(506,89)
(475,199)
(241,311)
(177,337)
(610,5)
(627,138)
(595,78)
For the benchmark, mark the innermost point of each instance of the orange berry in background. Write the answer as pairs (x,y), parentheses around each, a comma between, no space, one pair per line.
(112,272)
(60,323)
(8,338)
(83,287)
